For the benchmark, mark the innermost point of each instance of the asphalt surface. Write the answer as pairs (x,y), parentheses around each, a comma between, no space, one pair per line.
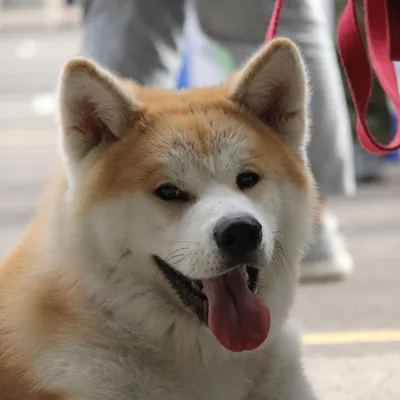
(352,328)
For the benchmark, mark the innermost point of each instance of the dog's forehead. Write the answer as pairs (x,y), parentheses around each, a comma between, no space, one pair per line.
(198,129)
(207,141)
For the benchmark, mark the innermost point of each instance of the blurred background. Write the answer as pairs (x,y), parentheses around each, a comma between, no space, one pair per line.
(351,327)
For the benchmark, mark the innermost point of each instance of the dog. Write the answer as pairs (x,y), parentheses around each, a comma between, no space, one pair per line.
(162,262)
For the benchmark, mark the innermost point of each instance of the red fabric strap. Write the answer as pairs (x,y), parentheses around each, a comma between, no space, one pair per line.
(273,23)
(394,29)
(383,39)
(382,21)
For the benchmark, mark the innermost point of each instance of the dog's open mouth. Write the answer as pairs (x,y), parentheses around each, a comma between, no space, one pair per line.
(228,304)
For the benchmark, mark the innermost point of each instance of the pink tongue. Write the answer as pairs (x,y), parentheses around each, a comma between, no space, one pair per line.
(239,319)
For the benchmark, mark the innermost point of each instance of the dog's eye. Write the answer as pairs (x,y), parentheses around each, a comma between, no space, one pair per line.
(247,180)
(169,192)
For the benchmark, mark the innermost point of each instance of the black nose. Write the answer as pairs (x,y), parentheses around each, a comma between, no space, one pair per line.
(238,238)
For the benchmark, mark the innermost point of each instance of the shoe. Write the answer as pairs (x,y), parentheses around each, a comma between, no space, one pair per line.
(328,257)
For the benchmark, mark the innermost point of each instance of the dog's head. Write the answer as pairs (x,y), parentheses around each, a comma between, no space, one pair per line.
(206,191)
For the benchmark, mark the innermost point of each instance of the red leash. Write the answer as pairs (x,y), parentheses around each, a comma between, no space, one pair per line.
(273,23)
(382,21)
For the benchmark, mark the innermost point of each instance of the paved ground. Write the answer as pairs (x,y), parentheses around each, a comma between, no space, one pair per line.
(352,329)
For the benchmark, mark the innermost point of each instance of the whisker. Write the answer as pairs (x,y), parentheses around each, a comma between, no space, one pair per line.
(174,252)
(282,256)
(121,258)
(192,267)
(169,260)
(187,256)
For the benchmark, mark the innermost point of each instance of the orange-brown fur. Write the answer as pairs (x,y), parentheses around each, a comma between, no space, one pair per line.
(17,379)
(168,115)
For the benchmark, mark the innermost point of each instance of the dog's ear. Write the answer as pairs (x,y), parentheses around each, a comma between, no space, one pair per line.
(273,86)
(95,108)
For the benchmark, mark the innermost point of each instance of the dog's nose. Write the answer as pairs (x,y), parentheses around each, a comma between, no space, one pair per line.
(238,238)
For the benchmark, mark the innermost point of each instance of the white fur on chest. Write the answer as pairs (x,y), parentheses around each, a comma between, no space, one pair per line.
(108,375)
(111,369)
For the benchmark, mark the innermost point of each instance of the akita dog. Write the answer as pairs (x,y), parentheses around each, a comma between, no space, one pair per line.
(162,264)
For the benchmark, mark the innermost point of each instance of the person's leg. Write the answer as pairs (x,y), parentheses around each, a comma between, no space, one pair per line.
(136,39)
(240,28)
(330,150)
